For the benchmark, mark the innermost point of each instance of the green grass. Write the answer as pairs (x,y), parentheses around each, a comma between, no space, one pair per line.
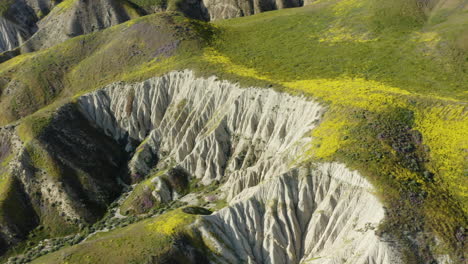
(88,62)
(31,126)
(64,6)
(5,6)
(386,67)
(369,60)
(135,243)
(346,40)
(143,191)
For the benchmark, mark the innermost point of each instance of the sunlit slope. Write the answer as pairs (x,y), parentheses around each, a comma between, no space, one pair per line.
(394,74)
(367,55)
(148,241)
(33,80)
(392,42)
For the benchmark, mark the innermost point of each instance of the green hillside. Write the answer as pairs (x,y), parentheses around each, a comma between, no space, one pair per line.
(394,75)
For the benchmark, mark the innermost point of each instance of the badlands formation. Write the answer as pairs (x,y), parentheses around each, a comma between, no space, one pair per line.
(252,140)
(183,131)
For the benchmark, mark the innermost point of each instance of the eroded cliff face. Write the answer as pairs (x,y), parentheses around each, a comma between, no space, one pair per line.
(251,140)
(10,34)
(209,127)
(40,24)
(224,9)
(76,18)
(318,214)
(42,7)
(17,24)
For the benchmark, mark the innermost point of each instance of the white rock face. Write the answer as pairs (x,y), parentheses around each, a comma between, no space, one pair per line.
(18,22)
(41,6)
(16,26)
(323,215)
(225,9)
(10,34)
(210,127)
(250,139)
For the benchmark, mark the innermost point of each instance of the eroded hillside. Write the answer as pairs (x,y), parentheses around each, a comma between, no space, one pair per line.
(332,133)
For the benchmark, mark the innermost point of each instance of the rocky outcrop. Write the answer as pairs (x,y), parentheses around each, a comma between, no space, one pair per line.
(319,214)
(42,7)
(218,9)
(251,140)
(77,17)
(224,9)
(37,24)
(10,35)
(17,24)
(209,127)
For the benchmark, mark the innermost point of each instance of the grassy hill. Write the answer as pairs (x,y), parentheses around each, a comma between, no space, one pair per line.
(394,74)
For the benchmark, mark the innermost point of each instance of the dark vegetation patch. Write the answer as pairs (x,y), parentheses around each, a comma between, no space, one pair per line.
(5,151)
(410,190)
(196,210)
(142,201)
(90,162)
(182,251)
(5,6)
(81,163)
(17,218)
(178,179)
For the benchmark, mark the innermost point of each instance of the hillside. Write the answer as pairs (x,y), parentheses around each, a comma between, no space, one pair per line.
(212,131)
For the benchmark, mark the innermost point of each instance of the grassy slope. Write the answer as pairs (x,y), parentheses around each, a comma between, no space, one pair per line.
(51,76)
(386,68)
(136,243)
(373,61)
(90,61)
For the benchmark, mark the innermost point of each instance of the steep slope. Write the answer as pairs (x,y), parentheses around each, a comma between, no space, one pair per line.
(37,24)
(59,182)
(75,17)
(213,126)
(37,79)
(216,9)
(52,181)
(17,23)
(16,218)
(40,25)
(392,75)
(224,9)
(42,7)
(322,214)
(213,130)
